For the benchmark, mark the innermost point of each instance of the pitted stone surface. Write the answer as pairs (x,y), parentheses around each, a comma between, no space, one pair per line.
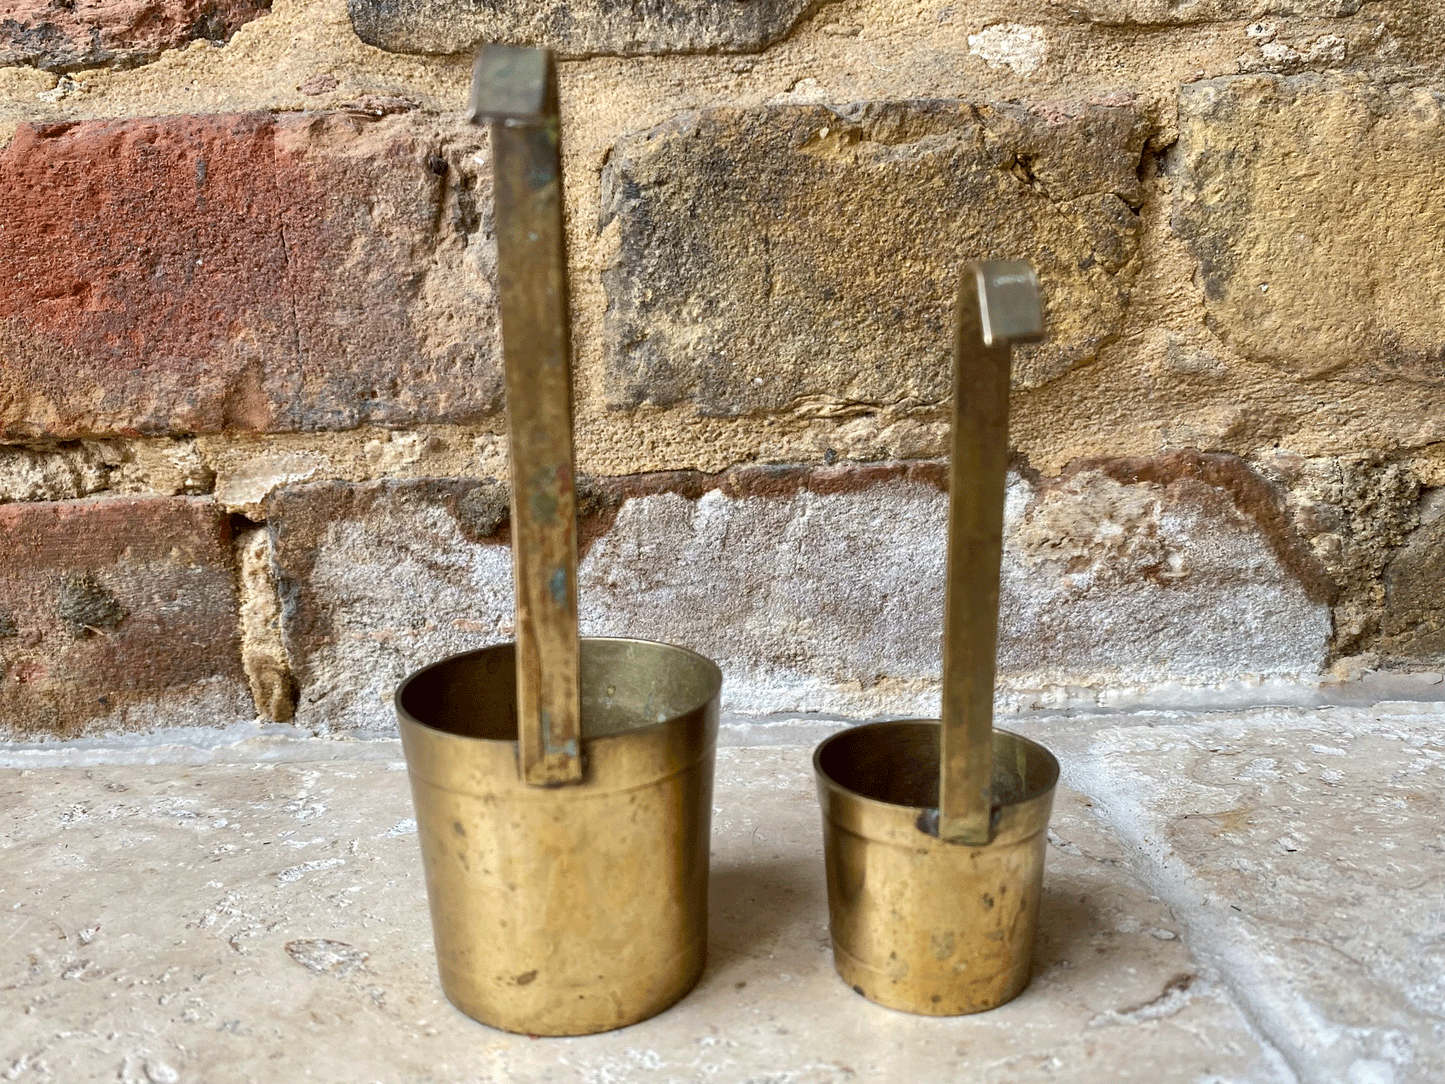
(807,256)
(576,28)
(813,590)
(1301,850)
(1177,568)
(1414,622)
(69,36)
(1311,204)
(244,272)
(1182,12)
(49,475)
(117,614)
(260,922)
(376,580)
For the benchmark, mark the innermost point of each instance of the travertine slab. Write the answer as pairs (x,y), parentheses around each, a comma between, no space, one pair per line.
(1302,850)
(267,922)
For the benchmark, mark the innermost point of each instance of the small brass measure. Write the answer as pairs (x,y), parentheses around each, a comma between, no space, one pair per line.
(934,833)
(563,785)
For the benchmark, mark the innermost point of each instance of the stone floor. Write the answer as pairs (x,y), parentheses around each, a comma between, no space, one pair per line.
(1253,895)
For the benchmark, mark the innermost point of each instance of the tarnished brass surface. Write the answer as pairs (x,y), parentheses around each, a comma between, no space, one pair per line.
(575,909)
(933,831)
(516,90)
(563,787)
(998,303)
(919,923)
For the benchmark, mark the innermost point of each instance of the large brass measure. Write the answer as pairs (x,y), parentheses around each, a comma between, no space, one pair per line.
(934,833)
(563,786)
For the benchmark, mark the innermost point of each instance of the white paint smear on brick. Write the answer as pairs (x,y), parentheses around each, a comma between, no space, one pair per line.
(1021,49)
(833,602)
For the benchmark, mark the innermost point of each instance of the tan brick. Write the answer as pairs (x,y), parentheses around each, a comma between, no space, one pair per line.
(576,28)
(117,613)
(806,257)
(121,33)
(244,272)
(1312,206)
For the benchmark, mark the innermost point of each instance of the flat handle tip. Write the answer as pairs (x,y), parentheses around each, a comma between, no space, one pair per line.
(1009,301)
(513,83)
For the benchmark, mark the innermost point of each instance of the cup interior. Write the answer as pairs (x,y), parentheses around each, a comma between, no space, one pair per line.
(625,685)
(898,763)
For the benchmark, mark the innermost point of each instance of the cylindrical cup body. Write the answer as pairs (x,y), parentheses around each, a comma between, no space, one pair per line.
(572,909)
(918,923)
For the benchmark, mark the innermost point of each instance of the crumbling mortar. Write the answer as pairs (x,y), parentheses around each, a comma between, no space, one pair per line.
(263,653)
(1355,513)
(39,471)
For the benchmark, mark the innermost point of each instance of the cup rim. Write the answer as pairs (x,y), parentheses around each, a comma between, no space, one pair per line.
(714,673)
(827,779)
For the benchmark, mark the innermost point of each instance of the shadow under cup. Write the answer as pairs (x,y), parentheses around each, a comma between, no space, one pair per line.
(919,923)
(573,909)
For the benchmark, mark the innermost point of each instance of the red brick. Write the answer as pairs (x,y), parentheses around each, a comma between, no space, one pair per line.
(117,613)
(117,33)
(243,272)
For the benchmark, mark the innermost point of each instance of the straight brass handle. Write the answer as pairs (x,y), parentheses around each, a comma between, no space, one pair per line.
(515,91)
(998,304)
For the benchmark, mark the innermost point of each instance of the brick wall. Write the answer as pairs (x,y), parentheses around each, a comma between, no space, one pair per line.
(251,434)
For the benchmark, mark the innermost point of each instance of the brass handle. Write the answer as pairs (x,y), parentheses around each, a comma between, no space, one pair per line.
(998,304)
(515,90)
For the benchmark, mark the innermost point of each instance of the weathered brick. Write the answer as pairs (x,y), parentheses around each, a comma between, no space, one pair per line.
(814,589)
(1355,513)
(117,613)
(1180,12)
(113,33)
(801,256)
(378,578)
(244,272)
(1312,205)
(1413,624)
(576,28)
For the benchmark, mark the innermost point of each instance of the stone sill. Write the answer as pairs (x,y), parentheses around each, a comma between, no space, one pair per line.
(1249,895)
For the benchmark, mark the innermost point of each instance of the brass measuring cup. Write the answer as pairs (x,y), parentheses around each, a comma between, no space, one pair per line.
(563,786)
(934,833)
